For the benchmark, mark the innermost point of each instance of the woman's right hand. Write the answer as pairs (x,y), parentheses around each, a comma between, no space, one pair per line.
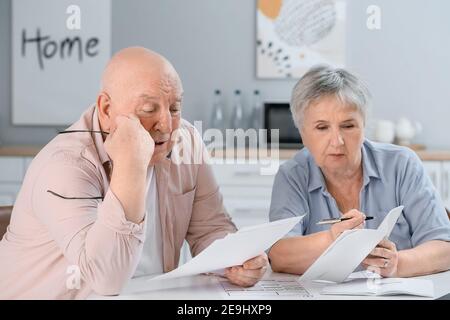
(356,221)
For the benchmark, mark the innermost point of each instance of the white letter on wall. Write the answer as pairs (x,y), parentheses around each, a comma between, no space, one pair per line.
(73,22)
(374,18)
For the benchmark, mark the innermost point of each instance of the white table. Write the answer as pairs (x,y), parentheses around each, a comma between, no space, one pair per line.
(203,287)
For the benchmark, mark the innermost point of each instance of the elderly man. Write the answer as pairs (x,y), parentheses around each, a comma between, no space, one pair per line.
(105,201)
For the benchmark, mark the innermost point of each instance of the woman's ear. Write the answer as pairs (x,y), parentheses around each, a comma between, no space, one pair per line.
(104,110)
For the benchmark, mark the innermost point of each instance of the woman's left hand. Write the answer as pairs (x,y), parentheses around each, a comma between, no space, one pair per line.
(383,259)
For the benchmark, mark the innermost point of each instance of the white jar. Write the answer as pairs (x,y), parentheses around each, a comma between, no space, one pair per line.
(385,131)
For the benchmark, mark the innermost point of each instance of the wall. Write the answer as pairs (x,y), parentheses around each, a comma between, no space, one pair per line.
(211,43)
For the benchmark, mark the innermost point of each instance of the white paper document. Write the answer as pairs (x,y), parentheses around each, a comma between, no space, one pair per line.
(267,288)
(385,286)
(234,249)
(344,255)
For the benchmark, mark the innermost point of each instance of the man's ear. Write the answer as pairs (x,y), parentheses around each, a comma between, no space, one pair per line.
(104,110)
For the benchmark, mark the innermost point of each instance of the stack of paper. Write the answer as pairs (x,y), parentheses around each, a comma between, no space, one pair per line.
(385,286)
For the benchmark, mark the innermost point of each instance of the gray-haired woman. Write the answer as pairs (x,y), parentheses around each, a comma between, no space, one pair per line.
(339,173)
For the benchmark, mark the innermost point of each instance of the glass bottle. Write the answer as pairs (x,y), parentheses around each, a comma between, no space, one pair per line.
(237,116)
(217,120)
(256,115)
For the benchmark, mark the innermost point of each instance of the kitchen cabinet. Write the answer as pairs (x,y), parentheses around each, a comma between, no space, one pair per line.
(445,183)
(439,173)
(246,192)
(12,172)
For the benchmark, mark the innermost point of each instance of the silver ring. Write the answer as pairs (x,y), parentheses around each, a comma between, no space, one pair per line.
(386,261)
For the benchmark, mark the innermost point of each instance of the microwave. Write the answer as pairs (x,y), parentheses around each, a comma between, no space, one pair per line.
(277,115)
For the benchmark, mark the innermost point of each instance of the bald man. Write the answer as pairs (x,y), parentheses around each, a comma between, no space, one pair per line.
(108,199)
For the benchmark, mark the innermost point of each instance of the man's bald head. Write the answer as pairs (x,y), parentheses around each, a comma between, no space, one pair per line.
(128,67)
(142,82)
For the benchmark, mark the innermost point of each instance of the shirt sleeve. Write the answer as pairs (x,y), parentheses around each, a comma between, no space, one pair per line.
(288,200)
(424,209)
(92,234)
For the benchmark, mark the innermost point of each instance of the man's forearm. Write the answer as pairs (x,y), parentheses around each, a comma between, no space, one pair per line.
(128,185)
(429,257)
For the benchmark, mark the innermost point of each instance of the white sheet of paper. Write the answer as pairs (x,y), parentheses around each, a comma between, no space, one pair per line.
(234,249)
(342,257)
(385,286)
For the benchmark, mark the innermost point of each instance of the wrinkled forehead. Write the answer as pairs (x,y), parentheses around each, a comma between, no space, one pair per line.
(163,84)
(134,69)
(331,106)
(156,83)
(170,83)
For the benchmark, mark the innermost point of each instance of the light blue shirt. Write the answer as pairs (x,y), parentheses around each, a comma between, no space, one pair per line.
(393,176)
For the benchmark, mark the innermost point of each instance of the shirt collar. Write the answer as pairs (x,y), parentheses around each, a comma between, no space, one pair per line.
(370,168)
(316,179)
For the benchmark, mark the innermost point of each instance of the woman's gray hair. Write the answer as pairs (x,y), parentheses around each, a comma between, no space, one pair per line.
(323,80)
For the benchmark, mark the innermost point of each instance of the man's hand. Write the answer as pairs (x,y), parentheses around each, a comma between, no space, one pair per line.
(130,144)
(383,259)
(356,221)
(249,273)
(130,147)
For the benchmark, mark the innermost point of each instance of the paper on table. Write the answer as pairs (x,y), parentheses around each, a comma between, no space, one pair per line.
(234,249)
(342,257)
(365,274)
(385,286)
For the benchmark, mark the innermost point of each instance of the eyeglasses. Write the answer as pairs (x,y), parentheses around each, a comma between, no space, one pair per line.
(75,131)
(74,198)
(77,198)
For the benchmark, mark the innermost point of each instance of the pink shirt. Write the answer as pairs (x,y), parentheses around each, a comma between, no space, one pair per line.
(68,248)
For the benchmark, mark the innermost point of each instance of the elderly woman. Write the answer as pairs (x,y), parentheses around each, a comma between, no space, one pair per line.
(339,173)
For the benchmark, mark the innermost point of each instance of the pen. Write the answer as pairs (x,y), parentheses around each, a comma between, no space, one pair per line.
(336,220)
